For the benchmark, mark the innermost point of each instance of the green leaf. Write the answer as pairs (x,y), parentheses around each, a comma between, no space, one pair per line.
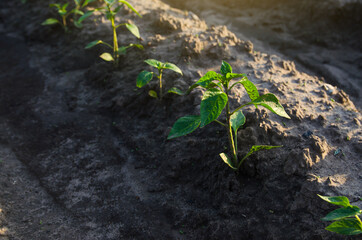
(56,5)
(143,78)
(133,29)
(230,76)
(227,160)
(342,213)
(212,104)
(338,200)
(92,44)
(154,63)
(123,50)
(269,101)
(249,87)
(177,91)
(256,148)
(65,5)
(348,226)
(208,78)
(152,94)
(172,67)
(237,120)
(86,2)
(139,46)
(85,16)
(50,21)
(184,126)
(107,57)
(76,11)
(225,68)
(129,6)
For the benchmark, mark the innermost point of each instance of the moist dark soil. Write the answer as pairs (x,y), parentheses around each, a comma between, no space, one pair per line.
(84,155)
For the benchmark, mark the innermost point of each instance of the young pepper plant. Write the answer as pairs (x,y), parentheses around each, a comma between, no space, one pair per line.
(64,14)
(215,100)
(145,77)
(110,10)
(346,218)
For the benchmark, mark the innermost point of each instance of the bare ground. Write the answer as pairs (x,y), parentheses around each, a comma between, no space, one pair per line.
(94,160)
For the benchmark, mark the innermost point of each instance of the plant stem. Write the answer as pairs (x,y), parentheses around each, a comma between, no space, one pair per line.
(64,18)
(358,219)
(220,122)
(115,43)
(230,132)
(160,77)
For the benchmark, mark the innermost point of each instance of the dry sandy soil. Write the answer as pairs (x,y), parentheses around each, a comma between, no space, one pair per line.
(84,155)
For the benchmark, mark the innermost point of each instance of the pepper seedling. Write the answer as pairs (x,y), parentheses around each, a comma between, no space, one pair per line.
(64,14)
(145,77)
(110,10)
(215,100)
(346,218)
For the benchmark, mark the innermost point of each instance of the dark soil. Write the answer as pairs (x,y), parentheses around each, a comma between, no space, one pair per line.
(94,156)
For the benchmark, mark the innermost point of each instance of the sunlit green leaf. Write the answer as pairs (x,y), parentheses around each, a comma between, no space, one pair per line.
(133,29)
(249,87)
(227,160)
(154,63)
(208,78)
(85,16)
(92,44)
(143,78)
(56,5)
(130,7)
(177,91)
(184,126)
(225,68)
(139,46)
(86,2)
(256,148)
(347,226)
(269,101)
(340,213)
(230,76)
(237,120)
(107,57)
(172,67)
(50,21)
(152,94)
(337,200)
(212,104)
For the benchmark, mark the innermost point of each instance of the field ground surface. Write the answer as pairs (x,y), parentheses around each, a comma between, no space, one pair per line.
(84,155)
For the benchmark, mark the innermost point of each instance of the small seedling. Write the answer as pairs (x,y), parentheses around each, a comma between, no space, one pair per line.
(145,77)
(110,10)
(215,100)
(64,14)
(346,218)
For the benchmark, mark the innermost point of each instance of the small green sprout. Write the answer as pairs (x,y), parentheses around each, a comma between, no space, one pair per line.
(145,77)
(215,100)
(110,10)
(346,218)
(64,14)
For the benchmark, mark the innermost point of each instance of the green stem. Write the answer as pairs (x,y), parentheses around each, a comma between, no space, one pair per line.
(230,132)
(240,108)
(115,43)
(64,18)
(220,123)
(160,77)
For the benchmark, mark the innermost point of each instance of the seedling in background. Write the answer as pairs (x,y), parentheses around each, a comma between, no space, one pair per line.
(346,218)
(64,14)
(110,10)
(145,77)
(215,100)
